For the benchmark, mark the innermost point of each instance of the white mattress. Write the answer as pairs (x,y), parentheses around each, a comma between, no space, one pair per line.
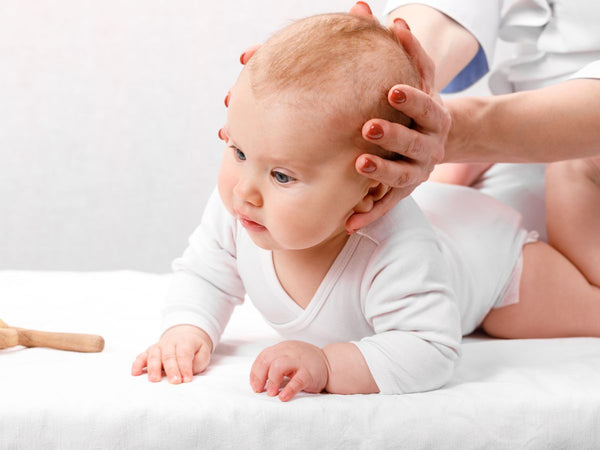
(505,394)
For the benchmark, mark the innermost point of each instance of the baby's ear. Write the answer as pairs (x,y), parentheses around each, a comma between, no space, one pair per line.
(375,193)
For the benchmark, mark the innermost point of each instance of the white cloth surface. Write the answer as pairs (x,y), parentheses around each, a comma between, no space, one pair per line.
(504,394)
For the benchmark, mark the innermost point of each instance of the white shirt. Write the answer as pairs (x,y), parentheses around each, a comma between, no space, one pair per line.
(557,39)
(400,290)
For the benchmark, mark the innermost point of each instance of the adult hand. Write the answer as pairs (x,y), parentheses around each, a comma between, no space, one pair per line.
(305,364)
(183,351)
(422,146)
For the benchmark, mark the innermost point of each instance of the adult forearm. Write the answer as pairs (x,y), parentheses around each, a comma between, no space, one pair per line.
(348,370)
(449,44)
(550,124)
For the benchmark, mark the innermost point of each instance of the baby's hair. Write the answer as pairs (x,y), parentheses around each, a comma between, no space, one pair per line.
(340,63)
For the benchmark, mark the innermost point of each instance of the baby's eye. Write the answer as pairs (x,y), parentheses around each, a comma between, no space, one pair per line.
(282,177)
(239,154)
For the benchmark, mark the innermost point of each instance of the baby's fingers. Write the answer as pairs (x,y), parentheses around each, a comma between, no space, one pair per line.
(296,384)
(185,355)
(200,361)
(171,364)
(154,364)
(278,369)
(138,366)
(260,370)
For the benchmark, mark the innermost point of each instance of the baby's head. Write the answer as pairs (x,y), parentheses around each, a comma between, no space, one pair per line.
(294,128)
(338,66)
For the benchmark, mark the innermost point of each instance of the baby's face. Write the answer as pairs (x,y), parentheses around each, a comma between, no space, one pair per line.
(286,176)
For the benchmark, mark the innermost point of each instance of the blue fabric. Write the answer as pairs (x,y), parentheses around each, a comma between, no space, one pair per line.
(473,71)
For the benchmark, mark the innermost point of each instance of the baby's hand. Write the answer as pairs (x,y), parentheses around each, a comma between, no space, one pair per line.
(306,365)
(183,351)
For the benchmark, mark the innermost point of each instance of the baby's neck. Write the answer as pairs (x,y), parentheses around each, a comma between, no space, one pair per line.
(301,272)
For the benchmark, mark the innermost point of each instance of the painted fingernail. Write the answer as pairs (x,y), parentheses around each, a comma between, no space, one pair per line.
(375,132)
(242,58)
(221,134)
(398,96)
(366,6)
(400,21)
(368,166)
(227,100)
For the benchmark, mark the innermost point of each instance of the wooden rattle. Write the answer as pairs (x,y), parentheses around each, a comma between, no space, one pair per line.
(11,336)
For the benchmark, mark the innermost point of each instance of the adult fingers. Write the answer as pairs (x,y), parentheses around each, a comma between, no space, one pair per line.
(419,57)
(362,9)
(397,174)
(380,208)
(399,139)
(138,366)
(248,53)
(424,110)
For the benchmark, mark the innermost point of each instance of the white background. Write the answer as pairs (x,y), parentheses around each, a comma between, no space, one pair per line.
(109,112)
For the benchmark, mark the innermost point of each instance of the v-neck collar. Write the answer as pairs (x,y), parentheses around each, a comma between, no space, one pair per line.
(305,316)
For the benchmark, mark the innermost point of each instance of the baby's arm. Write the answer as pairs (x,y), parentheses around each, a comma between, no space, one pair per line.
(205,288)
(337,368)
(182,351)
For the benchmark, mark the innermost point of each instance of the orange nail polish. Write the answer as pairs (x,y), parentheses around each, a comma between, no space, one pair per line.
(368,166)
(227,101)
(242,58)
(398,96)
(375,132)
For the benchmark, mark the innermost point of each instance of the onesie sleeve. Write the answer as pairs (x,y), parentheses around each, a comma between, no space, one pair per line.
(206,285)
(411,307)
(591,70)
(481,18)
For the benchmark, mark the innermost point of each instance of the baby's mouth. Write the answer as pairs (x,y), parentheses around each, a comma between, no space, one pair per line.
(250,225)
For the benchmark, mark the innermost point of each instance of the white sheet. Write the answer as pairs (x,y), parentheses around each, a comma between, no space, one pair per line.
(505,394)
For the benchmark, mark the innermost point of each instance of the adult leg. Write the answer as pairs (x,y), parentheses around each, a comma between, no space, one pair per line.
(573,213)
(555,300)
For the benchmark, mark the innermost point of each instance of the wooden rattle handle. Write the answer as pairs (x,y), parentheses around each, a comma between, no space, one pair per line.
(74,342)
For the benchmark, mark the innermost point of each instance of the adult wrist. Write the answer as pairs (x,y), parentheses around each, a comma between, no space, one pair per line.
(469,136)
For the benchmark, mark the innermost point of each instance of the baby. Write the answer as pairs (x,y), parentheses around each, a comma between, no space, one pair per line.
(382,310)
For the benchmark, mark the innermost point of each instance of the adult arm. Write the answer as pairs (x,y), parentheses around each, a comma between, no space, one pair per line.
(549,124)
(450,46)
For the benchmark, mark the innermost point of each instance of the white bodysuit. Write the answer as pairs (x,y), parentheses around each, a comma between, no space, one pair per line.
(403,291)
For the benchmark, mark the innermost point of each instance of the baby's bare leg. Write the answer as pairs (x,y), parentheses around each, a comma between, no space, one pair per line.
(555,300)
(573,213)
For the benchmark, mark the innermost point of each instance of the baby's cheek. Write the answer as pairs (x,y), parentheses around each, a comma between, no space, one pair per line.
(225,185)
